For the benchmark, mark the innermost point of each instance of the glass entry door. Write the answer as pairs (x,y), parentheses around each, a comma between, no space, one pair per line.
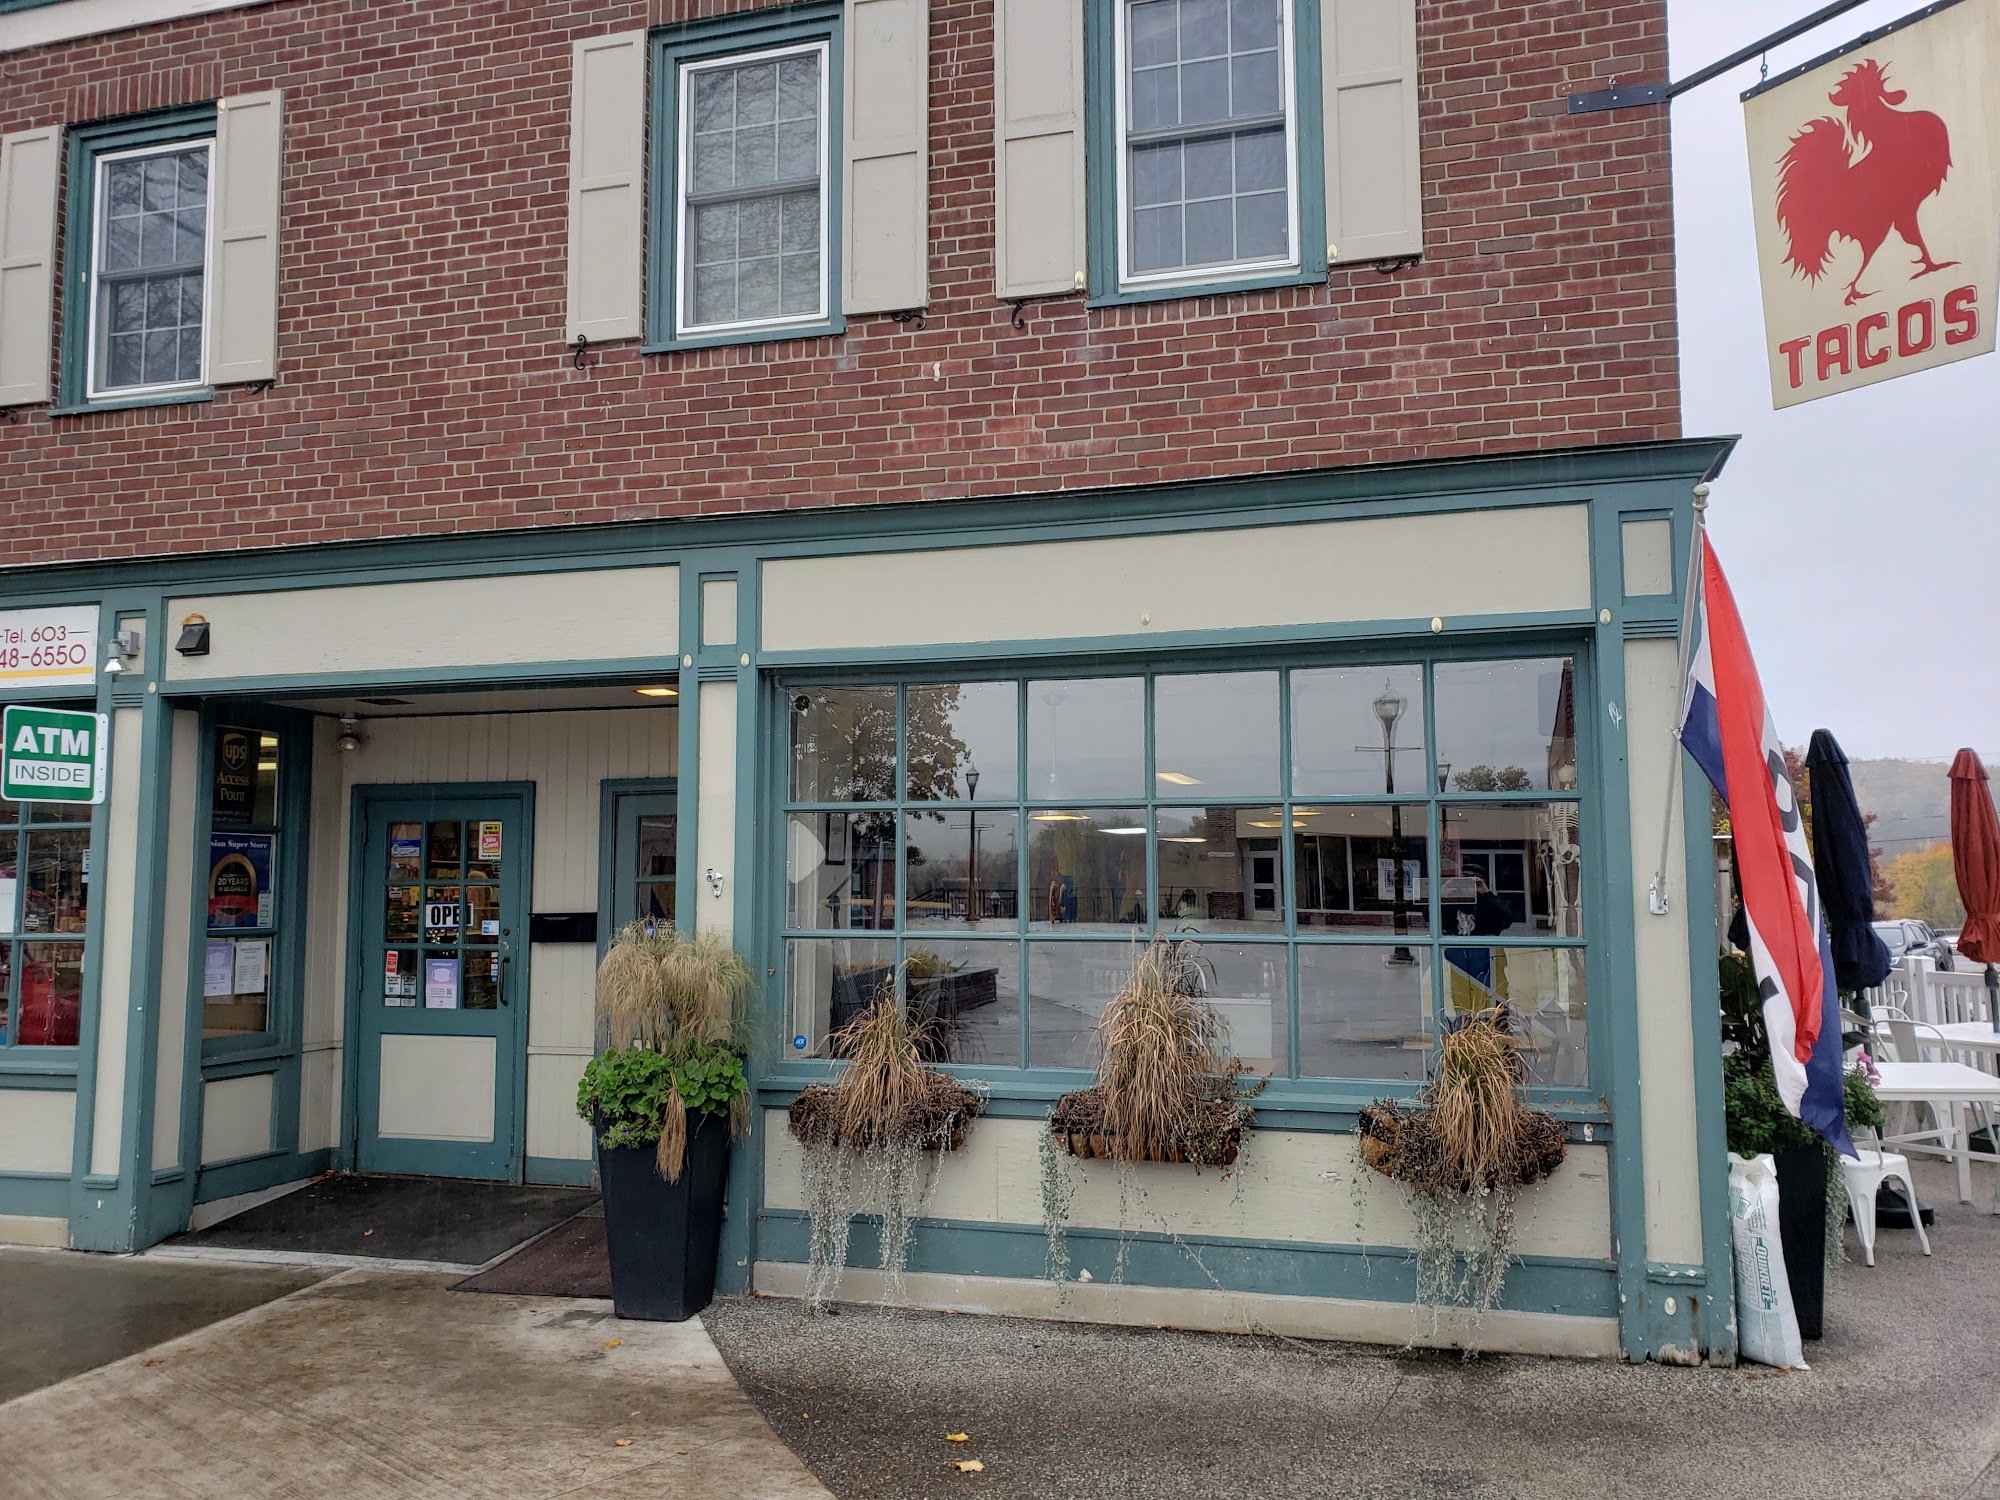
(441,897)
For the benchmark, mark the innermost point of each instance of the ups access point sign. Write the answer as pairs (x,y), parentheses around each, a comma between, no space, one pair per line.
(52,755)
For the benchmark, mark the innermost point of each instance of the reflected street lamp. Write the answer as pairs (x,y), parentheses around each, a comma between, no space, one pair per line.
(972,822)
(1389,707)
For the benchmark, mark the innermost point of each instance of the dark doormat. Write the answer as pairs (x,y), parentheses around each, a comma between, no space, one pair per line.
(440,1219)
(569,1261)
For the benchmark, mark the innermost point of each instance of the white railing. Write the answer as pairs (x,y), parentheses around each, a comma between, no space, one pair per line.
(1923,992)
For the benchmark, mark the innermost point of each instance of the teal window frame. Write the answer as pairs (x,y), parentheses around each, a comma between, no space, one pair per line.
(1293,1091)
(1104,148)
(711,39)
(625,802)
(284,979)
(85,145)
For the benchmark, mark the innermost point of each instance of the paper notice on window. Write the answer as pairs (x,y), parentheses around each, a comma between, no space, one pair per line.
(489,842)
(441,984)
(218,974)
(253,965)
(8,891)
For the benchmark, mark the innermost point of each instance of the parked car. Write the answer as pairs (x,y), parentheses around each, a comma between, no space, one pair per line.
(1906,935)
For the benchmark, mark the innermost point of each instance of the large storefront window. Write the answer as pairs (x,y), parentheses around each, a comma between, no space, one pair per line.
(1350,852)
(244,876)
(44,915)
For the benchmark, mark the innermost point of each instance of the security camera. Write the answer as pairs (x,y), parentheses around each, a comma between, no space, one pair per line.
(801,703)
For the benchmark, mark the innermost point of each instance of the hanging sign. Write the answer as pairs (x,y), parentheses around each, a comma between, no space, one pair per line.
(49,647)
(1873,177)
(53,755)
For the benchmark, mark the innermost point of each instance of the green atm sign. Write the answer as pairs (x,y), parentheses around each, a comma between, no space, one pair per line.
(52,755)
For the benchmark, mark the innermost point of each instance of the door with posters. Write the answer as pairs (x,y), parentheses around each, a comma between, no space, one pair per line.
(441,913)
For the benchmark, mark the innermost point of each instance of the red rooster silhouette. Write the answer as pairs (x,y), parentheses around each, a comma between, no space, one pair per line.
(1826,190)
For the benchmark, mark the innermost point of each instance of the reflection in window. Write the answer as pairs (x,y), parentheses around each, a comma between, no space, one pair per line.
(844,745)
(44,917)
(967,998)
(1215,734)
(1087,738)
(1363,868)
(1507,726)
(1364,1012)
(828,982)
(245,960)
(1087,866)
(1357,731)
(841,870)
(1222,868)
(963,742)
(964,869)
(1512,870)
(1069,984)
(1544,988)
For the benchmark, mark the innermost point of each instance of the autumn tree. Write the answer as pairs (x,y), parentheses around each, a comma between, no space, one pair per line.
(1924,888)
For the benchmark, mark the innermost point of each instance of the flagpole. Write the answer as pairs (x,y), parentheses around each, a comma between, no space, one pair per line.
(1692,588)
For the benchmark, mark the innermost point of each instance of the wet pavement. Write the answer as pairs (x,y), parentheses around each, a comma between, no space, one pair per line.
(1900,1402)
(62,1312)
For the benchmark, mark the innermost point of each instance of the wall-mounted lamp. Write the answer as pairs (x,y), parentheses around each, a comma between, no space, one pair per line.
(194,637)
(714,879)
(350,734)
(122,647)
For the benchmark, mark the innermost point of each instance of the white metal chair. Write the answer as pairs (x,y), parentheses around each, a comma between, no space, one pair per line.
(1863,1179)
(1907,1044)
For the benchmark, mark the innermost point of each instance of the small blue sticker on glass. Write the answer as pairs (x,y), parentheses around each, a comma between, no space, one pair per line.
(799,1042)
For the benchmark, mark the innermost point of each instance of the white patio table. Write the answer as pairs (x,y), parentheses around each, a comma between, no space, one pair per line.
(1948,1085)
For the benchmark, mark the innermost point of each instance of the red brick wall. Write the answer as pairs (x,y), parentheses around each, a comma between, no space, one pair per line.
(424,387)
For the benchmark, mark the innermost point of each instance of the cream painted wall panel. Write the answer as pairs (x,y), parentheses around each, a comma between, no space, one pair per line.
(1660,952)
(562,993)
(1387,568)
(115,891)
(1290,1185)
(29,1229)
(171,1059)
(597,615)
(715,847)
(319,1098)
(1648,556)
(326,917)
(437,1088)
(37,1130)
(236,1117)
(553,1127)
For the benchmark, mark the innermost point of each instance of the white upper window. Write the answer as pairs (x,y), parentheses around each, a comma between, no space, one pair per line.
(752,185)
(149,270)
(1207,160)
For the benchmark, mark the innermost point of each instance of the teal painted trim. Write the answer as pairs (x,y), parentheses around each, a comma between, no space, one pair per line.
(535,674)
(35,1195)
(199,396)
(214,1070)
(171,1211)
(61,1080)
(558,1171)
(1099,651)
(1569,475)
(1365,1273)
(721,36)
(1614,1003)
(1102,149)
(757,723)
(1676,1273)
(254,1174)
(84,145)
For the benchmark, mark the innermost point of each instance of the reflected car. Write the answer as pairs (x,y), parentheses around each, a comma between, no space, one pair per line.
(1906,936)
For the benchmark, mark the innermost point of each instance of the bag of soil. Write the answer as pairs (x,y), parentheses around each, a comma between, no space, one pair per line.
(1767,1329)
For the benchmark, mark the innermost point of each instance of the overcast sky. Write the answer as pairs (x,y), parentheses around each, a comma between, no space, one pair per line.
(1860,532)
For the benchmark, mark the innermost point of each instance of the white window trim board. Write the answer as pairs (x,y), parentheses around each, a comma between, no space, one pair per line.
(1288,48)
(43,25)
(683,291)
(95,284)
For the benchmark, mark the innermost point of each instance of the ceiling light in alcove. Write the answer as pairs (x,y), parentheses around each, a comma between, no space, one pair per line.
(385,702)
(1177,778)
(659,692)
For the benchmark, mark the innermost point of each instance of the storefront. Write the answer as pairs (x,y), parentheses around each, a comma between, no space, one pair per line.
(1380,742)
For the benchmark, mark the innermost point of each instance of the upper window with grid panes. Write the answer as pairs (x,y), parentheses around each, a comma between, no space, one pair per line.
(150,236)
(1207,149)
(751,192)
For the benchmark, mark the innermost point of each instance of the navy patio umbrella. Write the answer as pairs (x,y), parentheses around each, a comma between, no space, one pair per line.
(1841,866)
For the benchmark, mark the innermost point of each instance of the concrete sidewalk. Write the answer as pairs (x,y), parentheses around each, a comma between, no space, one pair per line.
(384,1385)
(1901,1402)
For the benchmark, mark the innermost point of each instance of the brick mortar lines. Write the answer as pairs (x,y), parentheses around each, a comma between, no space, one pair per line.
(424,388)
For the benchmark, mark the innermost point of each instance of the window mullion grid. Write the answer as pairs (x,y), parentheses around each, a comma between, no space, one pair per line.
(1148,786)
(1288,872)
(1434,856)
(1024,893)
(901,794)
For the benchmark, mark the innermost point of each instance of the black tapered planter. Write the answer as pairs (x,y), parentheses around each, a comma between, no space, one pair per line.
(1802,1231)
(664,1236)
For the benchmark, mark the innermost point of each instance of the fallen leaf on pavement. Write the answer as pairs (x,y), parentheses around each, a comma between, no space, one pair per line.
(969,1466)
(366,1232)
(613,1343)
(954,1437)
(621,1442)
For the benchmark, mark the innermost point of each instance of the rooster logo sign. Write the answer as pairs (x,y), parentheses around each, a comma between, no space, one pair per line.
(1861,180)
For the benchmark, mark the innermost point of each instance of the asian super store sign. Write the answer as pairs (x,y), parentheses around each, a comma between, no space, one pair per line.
(52,755)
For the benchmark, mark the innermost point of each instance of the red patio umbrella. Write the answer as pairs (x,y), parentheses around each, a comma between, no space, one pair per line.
(1975,860)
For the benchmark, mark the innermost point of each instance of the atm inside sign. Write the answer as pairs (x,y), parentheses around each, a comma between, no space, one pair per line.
(52,755)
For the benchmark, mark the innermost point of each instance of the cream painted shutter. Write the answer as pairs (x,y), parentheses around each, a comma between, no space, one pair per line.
(243,283)
(1374,178)
(607,201)
(886,239)
(30,166)
(1038,245)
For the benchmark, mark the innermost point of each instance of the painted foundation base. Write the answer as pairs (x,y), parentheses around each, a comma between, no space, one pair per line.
(1393,1323)
(25,1229)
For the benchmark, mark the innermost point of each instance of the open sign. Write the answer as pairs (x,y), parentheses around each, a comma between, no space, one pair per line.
(440,914)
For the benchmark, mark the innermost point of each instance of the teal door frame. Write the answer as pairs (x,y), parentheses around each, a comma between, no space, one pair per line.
(504,1159)
(623,801)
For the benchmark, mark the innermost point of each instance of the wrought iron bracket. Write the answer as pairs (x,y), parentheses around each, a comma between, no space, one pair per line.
(578,350)
(910,315)
(1394,263)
